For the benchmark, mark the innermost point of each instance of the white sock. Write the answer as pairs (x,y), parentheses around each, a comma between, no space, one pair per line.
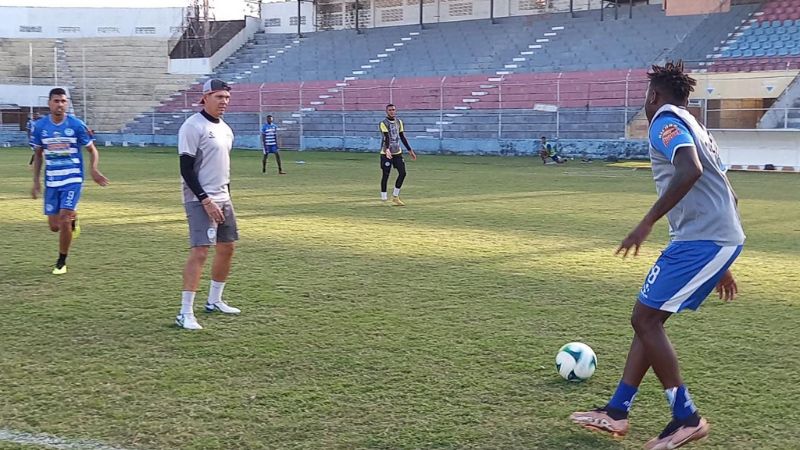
(215,292)
(396,192)
(187,302)
(384,196)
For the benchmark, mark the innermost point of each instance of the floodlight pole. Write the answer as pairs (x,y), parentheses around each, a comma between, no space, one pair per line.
(83,76)
(558,106)
(358,30)
(421,26)
(299,31)
(491,11)
(30,72)
(55,65)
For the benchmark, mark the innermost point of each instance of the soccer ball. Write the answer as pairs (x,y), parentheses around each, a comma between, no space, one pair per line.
(576,361)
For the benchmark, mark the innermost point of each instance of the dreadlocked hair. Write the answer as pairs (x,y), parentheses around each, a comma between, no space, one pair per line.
(671,79)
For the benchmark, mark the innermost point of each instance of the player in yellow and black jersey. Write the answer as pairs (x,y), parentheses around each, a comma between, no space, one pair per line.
(392,155)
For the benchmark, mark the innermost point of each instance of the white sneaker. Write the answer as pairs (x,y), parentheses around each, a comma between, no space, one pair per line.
(187,321)
(222,307)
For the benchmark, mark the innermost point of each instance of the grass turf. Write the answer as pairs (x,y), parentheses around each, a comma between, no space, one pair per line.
(370,326)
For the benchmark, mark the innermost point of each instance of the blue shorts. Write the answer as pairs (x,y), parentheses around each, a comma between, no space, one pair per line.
(685,273)
(66,197)
(271,149)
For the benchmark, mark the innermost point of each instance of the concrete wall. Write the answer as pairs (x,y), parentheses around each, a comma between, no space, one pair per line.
(340,14)
(688,7)
(739,149)
(719,86)
(631,149)
(576,148)
(202,66)
(754,149)
(88,22)
(13,138)
(272,13)
(777,115)
(23,95)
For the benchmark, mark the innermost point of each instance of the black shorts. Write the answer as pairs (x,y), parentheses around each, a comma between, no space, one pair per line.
(396,162)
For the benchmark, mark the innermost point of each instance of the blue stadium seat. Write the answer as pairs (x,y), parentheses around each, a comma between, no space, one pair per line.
(747,53)
(783,52)
(772,52)
(776,23)
(788,22)
(738,53)
(755,45)
(760,53)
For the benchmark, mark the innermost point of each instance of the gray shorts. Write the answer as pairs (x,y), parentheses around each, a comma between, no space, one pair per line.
(205,232)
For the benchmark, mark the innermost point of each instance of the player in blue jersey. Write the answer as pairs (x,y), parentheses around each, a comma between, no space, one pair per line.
(271,144)
(706,236)
(57,140)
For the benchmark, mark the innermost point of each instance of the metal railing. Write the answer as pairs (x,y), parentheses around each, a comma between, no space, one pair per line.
(499,107)
(452,108)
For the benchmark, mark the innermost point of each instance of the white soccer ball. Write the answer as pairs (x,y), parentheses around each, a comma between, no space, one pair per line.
(576,361)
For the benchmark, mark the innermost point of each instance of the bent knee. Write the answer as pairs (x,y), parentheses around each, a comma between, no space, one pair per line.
(644,320)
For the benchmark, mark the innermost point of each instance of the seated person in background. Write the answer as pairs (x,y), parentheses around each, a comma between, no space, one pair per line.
(547,150)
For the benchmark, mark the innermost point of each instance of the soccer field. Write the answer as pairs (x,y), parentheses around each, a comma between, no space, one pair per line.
(369,326)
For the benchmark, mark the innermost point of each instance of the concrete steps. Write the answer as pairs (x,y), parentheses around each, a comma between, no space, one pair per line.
(124,78)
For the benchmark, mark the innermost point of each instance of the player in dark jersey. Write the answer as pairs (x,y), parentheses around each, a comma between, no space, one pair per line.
(392,133)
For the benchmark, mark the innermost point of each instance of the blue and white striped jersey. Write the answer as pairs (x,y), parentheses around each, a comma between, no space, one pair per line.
(270,133)
(61,143)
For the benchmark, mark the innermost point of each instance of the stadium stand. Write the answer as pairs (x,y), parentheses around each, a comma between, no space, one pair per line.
(767,41)
(593,105)
(454,78)
(15,54)
(124,76)
(552,43)
(573,76)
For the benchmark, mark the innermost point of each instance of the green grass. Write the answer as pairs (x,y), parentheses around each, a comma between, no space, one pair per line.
(368,326)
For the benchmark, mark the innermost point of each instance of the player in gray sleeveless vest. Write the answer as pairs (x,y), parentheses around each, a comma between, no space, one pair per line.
(705,238)
(392,134)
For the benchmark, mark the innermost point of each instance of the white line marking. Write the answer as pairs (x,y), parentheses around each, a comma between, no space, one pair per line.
(48,441)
